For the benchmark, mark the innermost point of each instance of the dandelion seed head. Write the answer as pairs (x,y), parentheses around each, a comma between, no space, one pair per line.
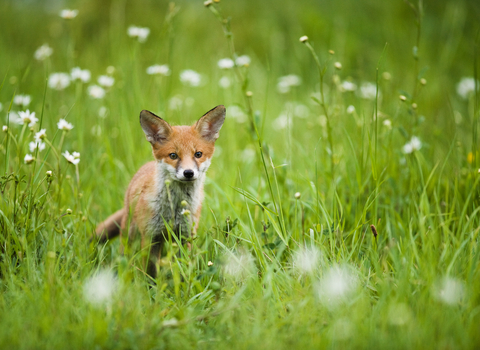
(58,81)
(239,265)
(99,289)
(306,260)
(43,52)
(449,290)
(336,285)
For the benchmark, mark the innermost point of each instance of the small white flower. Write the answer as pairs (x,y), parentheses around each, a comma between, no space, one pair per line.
(39,136)
(368,91)
(225,63)
(27,118)
(72,158)
(286,82)
(282,122)
(96,91)
(58,81)
(465,87)
(68,14)
(100,288)
(190,77)
(80,74)
(210,263)
(159,69)
(306,260)
(387,123)
(106,81)
(449,290)
(5,128)
(243,60)
(351,109)
(337,65)
(22,100)
(348,86)
(185,212)
(37,144)
(239,265)
(224,82)
(43,52)
(64,125)
(303,39)
(298,195)
(237,113)
(137,32)
(28,159)
(413,145)
(15,118)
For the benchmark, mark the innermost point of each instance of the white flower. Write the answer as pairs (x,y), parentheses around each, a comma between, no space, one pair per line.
(138,32)
(43,52)
(286,82)
(28,159)
(185,212)
(348,86)
(27,118)
(303,39)
(37,144)
(237,113)
(22,100)
(465,87)
(449,290)
(96,91)
(159,69)
(15,118)
(80,74)
(59,81)
(351,109)
(225,63)
(387,123)
(5,128)
(64,125)
(239,265)
(337,65)
(413,145)
(338,283)
(283,121)
(306,260)
(368,91)
(106,81)
(243,60)
(68,14)
(190,77)
(224,82)
(100,288)
(73,158)
(40,135)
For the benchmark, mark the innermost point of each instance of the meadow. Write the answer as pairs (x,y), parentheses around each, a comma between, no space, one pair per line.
(342,207)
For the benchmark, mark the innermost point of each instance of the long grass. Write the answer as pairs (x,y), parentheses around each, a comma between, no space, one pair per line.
(325,223)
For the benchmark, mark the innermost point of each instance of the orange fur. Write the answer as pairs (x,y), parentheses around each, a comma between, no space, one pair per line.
(159,190)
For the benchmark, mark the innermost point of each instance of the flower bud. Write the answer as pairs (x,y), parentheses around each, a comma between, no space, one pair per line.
(49,173)
(184,203)
(304,39)
(298,195)
(338,65)
(69,211)
(402,97)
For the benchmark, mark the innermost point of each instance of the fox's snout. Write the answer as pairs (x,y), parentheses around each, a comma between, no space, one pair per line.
(188,172)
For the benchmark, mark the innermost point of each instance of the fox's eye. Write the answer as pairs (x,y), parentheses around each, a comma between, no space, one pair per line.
(198,154)
(173,156)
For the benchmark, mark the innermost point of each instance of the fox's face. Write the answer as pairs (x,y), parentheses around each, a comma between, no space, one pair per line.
(183,151)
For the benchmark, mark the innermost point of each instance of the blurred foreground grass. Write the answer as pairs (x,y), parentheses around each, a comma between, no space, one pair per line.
(286,255)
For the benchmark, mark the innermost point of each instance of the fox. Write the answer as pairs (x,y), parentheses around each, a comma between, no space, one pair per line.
(163,189)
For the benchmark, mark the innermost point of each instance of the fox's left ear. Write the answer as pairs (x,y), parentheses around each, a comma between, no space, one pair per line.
(210,124)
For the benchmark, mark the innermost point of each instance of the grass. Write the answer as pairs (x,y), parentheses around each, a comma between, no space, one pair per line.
(322,230)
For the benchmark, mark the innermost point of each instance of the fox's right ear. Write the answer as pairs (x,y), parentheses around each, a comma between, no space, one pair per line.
(155,128)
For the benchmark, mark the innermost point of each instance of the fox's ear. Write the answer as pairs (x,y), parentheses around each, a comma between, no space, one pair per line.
(155,128)
(210,124)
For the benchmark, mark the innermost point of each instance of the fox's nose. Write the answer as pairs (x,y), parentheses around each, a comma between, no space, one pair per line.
(188,173)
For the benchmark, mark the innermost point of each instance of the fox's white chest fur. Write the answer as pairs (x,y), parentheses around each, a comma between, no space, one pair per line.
(166,202)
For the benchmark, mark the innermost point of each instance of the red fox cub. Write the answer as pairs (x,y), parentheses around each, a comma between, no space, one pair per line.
(163,189)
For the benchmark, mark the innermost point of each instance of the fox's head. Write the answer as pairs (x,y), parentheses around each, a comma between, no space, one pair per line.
(184,151)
